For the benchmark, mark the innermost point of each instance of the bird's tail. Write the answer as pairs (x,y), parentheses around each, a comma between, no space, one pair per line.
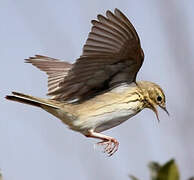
(31,100)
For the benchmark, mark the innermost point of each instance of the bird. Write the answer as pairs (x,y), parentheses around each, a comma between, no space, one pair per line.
(99,90)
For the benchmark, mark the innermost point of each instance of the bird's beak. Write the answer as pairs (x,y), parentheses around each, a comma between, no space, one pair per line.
(156,112)
(153,108)
(164,108)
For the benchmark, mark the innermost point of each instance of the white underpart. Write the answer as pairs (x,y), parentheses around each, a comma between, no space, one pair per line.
(106,120)
(112,119)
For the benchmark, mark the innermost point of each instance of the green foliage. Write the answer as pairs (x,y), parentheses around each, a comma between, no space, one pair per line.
(168,171)
(1,178)
(133,177)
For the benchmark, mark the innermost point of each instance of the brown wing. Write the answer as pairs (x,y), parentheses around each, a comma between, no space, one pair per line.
(112,55)
(55,69)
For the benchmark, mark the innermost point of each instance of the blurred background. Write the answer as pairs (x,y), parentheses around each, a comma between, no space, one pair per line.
(34,145)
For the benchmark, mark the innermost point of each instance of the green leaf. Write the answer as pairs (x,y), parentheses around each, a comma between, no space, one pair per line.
(154,169)
(132,177)
(1,177)
(169,171)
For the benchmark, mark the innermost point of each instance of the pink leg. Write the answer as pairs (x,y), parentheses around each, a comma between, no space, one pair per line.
(110,144)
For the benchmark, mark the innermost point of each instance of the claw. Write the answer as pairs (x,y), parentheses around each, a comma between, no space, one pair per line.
(110,146)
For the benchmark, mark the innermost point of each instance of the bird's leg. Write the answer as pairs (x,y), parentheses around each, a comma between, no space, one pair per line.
(110,144)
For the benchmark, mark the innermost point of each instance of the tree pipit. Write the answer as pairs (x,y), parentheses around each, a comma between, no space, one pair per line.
(99,91)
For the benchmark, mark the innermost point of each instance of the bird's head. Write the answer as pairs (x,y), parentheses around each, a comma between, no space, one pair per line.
(154,96)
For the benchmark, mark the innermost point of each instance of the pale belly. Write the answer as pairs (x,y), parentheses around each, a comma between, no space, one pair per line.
(112,119)
(102,112)
(102,121)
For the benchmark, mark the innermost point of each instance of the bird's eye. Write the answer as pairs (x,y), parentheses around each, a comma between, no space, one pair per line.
(159,98)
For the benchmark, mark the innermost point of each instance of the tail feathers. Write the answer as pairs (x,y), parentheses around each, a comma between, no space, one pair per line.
(26,99)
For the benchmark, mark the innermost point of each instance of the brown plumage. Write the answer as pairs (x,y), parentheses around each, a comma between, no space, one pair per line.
(55,69)
(111,55)
(102,82)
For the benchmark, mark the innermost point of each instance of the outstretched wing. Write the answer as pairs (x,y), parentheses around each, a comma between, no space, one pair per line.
(111,55)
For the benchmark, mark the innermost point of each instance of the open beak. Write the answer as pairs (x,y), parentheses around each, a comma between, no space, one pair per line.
(156,112)
(164,108)
(153,108)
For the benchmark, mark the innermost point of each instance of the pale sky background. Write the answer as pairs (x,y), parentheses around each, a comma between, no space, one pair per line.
(34,145)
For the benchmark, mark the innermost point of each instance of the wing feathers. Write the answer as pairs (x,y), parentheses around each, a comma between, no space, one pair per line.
(113,25)
(109,28)
(55,69)
(121,16)
(111,55)
(121,24)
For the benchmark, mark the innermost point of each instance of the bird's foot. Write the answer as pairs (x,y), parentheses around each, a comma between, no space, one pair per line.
(110,146)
